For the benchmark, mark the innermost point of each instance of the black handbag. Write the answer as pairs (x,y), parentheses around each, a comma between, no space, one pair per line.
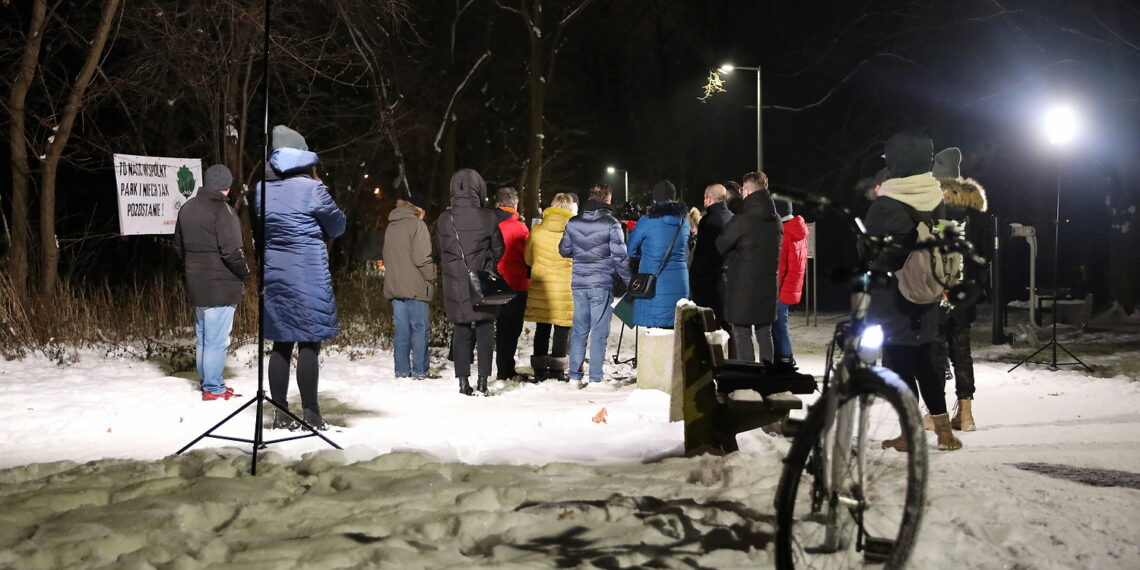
(644,285)
(487,287)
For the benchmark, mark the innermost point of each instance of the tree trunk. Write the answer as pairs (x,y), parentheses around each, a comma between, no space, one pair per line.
(18,149)
(536,84)
(48,244)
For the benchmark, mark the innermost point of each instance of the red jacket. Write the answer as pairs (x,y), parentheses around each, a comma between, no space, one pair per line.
(513,264)
(793,261)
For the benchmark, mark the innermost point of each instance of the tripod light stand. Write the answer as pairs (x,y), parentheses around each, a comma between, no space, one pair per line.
(258,441)
(1061,125)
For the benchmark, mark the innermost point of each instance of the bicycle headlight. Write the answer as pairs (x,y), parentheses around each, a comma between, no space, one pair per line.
(870,344)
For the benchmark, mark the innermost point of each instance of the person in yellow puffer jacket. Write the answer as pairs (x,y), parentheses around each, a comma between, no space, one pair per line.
(550,304)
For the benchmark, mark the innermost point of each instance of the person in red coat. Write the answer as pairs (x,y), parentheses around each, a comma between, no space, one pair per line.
(513,267)
(790,279)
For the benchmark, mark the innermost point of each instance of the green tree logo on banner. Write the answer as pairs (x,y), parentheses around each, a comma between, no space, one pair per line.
(186,182)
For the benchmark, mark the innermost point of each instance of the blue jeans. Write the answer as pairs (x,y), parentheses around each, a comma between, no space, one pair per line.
(780,337)
(212,327)
(410,323)
(592,314)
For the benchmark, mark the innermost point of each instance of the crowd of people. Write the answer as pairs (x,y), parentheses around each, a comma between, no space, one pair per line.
(744,257)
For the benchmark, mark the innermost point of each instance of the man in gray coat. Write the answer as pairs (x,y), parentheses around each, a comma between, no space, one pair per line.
(207,238)
(408,275)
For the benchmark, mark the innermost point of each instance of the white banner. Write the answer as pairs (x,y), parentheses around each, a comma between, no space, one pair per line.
(811,240)
(151,189)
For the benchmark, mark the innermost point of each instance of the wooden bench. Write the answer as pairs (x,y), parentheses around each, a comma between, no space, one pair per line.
(720,397)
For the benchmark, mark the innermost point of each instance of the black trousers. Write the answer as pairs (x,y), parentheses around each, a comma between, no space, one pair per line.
(465,339)
(914,365)
(308,372)
(954,329)
(508,329)
(542,343)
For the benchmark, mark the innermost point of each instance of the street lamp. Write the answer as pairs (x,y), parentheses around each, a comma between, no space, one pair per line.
(729,68)
(625,189)
(1061,126)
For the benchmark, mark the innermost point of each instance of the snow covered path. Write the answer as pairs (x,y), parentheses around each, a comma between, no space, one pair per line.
(432,479)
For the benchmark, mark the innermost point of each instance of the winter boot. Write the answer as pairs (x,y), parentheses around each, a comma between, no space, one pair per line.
(481,385)
(282,421)
(313,418)
(928,421)
(540,364)
(556,368)
(785,364)
(898,444)
(946,439)
(465,387)
(963,419)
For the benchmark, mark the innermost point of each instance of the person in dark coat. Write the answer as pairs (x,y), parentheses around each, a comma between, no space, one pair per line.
(909,329)
(207,238)
(595,242)
(658,241)
(735,201)
(751,244)
(708,269)
(513,267)
(409,273)
(960,197)
(300,309)
(469,239)
(790,279)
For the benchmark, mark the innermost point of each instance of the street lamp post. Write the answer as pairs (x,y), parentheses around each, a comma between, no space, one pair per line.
(625,188)
(729,68)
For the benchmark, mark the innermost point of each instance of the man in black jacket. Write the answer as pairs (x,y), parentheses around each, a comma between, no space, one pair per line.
(707,272)
(207,238)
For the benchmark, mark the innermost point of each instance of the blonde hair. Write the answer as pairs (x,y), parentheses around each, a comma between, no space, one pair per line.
(565,201)
(694,218)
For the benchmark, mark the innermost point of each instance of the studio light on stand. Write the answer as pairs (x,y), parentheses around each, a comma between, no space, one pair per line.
(258,441)
(625,188)
(1060,126)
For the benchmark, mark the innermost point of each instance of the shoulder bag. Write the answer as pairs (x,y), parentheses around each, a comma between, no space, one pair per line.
(644,285)
(487,287)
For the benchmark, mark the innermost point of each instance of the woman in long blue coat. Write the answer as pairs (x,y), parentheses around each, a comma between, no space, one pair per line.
(664,223)
(300,308)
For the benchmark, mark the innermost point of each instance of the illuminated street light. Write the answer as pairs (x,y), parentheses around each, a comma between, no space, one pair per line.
(625,189)
(1061,124)
(729,68)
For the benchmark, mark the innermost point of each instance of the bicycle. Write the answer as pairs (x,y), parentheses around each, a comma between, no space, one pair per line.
(844,497)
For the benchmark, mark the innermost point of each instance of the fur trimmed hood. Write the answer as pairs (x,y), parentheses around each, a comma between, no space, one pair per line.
(964,193)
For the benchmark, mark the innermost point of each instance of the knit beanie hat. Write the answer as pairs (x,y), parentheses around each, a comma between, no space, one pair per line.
(217,177)
(285,137)
(908,154)
(948,163)
(419,201)
(783,209)
(664,191)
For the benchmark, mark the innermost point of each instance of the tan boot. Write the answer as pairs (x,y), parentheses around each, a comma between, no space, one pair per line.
(963,419)
(898,444)
(946,439)
(927,422)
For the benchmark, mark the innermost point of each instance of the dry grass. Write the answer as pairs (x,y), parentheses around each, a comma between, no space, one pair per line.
(155,320)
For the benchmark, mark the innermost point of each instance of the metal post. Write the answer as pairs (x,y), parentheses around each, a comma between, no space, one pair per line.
(997,303)
(625,191)
(759,125)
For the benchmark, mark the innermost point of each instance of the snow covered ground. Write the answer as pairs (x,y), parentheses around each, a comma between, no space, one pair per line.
(432,479)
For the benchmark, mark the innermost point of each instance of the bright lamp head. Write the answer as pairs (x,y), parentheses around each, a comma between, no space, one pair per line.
(1061,124)
(870,344)
(611,169)
(726,68)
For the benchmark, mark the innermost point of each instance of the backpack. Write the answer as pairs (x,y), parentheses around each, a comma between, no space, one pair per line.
(927,274)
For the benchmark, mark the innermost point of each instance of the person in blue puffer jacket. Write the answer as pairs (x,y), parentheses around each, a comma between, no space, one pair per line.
(665,223)
(300,309)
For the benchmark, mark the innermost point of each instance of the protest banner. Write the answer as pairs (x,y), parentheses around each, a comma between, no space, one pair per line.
(151,189)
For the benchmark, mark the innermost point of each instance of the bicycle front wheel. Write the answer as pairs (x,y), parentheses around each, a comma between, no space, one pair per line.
(852,492)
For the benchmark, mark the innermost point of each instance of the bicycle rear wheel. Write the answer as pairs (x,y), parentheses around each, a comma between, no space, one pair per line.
(865,506)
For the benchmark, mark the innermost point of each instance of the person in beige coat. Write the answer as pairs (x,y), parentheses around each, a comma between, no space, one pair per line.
(550,304)
(409,275)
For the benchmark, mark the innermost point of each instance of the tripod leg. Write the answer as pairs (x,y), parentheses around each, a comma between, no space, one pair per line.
(1027,358)
(216,426)
(1074,357)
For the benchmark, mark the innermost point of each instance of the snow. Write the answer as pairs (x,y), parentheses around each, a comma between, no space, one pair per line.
(526,478)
